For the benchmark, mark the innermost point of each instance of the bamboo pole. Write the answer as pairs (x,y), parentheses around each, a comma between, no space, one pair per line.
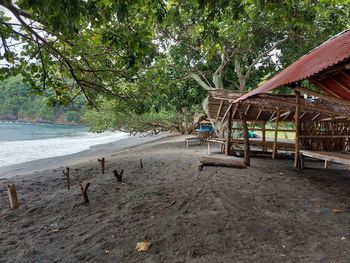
(246,141)
(11,190)
(275,136)
(229,128)
(297,131)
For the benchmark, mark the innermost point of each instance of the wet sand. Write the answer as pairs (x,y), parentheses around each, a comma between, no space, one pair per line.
(73,159)
(269,212)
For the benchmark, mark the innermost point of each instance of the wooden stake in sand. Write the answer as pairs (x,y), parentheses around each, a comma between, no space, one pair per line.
(66,174)
(102,162)
(84,192)
(141,163)
(117,175)
(11,190)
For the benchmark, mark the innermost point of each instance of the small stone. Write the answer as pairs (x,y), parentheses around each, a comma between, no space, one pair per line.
(343,238)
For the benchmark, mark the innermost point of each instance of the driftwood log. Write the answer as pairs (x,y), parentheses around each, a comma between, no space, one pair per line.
(66,174)
(141,163)
(117,175)
(11,190)
(209,161)
(102,162)
(84,192)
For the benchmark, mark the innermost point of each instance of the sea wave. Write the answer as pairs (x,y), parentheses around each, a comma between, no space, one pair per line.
(15,152)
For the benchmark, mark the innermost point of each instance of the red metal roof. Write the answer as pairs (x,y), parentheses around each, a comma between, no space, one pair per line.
(331,53)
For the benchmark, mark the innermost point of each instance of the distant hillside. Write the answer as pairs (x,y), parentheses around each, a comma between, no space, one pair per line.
(17,104)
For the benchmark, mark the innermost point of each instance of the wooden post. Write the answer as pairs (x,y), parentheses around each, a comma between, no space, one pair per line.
(66,174)
(11,190)
(246,140)
(102,162)
(84,192)
(297,131)
(276,135)
(326,164)
(229,128)
(264,135)
(141,163)
(118,176)
(301,159)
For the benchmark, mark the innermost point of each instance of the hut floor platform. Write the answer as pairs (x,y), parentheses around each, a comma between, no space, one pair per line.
(337,157)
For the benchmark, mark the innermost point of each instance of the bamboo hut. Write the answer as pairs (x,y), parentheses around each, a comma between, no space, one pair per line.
(316,114)
(322,125)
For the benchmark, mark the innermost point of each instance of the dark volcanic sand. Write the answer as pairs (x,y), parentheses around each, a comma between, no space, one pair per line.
(269,212)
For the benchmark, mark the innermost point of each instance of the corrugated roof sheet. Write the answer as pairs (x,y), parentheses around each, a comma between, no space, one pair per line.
(334,51)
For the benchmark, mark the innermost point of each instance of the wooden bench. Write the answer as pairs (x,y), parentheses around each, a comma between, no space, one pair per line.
(337,157)
(193,141)
(265,145)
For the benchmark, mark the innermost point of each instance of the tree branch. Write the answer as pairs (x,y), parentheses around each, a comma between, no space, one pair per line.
(262,55)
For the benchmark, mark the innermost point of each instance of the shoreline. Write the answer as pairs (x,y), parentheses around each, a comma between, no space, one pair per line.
(96,151)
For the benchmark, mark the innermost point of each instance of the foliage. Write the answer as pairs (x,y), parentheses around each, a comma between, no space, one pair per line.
(153,57)
(16,103)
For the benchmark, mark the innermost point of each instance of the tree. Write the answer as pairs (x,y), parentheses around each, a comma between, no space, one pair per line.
(94,47)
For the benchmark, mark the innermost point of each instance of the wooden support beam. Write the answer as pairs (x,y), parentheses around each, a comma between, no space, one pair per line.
(325,136)
(272,116)
(246,140)
(227,111)
(323,96)
(302,115)
(316,116)
(347,76)
(281,115)
(229,128)
(235,111)
(219,110)
(297,131)
(319,84)
(286,115)
(274,148)
(257,116)
(247,110)
(341,85)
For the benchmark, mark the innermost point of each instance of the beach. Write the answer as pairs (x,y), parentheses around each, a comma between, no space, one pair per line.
(269,212)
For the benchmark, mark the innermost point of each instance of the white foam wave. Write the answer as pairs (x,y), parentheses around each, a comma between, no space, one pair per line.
(15,152)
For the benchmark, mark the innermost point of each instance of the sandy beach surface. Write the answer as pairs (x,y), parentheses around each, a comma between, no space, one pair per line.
(269,212)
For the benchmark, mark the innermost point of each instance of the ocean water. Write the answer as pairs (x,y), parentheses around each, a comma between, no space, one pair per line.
(20,142)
